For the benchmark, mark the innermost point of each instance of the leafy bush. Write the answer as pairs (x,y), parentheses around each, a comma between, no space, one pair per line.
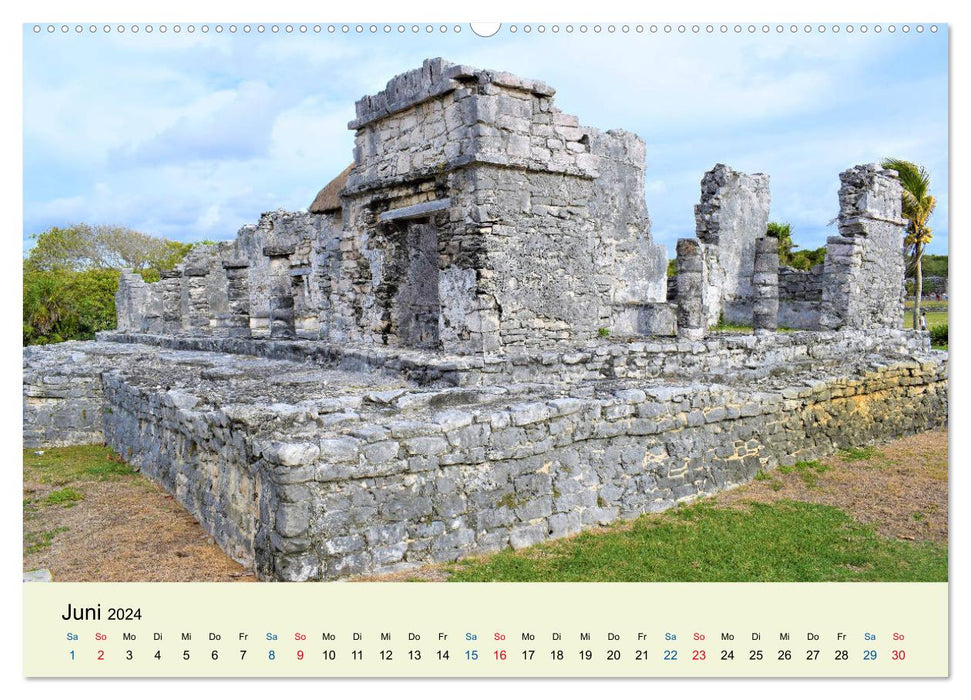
(64,305)
(71,275)
(807,259)
(935,265)
(939,334)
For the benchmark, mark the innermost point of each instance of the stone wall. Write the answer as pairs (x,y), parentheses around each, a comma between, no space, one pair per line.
(733,213)
(556,467)
(801,285)
(311,268)
(63,393)
(864,268)
(313,473)
(800,297)
(201,460)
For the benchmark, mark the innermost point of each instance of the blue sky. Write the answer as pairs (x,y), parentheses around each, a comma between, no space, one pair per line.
(192,136)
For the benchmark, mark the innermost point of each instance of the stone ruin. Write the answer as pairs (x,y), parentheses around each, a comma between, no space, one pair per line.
(469,342)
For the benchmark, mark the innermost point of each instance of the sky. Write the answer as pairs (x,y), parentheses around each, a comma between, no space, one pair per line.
(190,136)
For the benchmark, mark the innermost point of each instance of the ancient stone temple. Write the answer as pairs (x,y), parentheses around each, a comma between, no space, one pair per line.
(469,342)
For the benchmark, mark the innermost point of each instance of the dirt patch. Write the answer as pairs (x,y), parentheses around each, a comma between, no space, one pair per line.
(899,488)
(124,529)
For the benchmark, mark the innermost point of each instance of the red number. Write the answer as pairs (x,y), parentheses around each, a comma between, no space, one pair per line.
(299,654)
(500,654)
(101,655)
(898,654)
(698,655)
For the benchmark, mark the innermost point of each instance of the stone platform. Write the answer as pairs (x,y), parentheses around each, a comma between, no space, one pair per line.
(309,461)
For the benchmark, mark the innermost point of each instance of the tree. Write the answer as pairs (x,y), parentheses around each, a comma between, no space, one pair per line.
(83,247)
(917,206)
(782,231)
(71,276)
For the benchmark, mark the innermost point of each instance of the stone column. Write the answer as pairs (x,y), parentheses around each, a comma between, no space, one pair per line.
(765,286)
(281,292)
(237,292)
(863,274)
(732,215)
(691,316)
(152,321)
(131,302)
(198,306)
(171,301)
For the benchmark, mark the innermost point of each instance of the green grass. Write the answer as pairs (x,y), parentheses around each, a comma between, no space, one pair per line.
(64,465)
(933,318)
(928,305)
(807,471)
(68,470)
(721,326)
(783,541)
(856,454)
(64,497)
(38,541)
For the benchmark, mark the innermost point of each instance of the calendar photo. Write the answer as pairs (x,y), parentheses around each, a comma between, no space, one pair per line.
(412,306)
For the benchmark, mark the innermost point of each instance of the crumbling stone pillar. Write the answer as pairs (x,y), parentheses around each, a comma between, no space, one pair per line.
(171,301)
(691,316)
(765,286)
(198,299)
(732,215)
(863,274)
(281,292)
(237,291)
(131,302)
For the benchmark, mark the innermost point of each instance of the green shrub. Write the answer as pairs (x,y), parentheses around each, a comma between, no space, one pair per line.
(939,334)
(64,305)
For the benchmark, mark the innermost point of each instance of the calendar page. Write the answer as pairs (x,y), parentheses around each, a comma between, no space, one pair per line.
(449,350)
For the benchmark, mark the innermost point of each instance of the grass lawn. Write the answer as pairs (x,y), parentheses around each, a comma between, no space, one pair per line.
(782,541)
(933,317)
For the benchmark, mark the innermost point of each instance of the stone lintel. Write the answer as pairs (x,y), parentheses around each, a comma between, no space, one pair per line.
(357,187)
(279,250)
(855,223)
(415,211)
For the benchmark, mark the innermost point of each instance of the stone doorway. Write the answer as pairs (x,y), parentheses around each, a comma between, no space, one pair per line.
(417,307)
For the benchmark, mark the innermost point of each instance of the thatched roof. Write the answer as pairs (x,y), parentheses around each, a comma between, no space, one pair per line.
(327,199)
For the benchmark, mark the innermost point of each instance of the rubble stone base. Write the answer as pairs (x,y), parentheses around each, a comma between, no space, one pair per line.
(308,471)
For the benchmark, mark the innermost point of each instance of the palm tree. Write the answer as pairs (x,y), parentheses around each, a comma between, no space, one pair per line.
(782,231)
(918,204)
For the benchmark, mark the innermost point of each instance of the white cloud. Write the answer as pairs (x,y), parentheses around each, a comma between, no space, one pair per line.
(209,131)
